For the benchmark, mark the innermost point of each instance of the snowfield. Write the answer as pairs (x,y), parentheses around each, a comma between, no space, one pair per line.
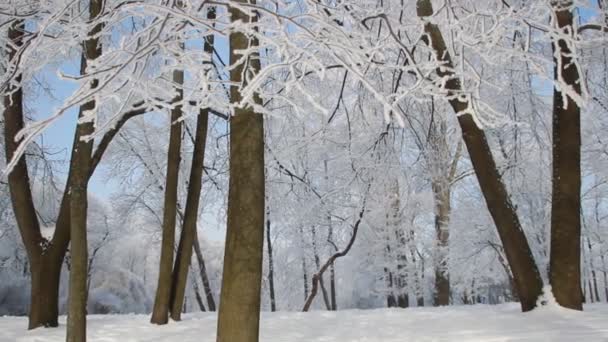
(460,323)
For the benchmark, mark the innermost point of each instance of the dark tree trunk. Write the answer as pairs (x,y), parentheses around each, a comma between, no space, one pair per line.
(565,260)
(330,239)
(239,312)
(186,242)
(332,287)
(44,293)
(45,283)
(203,274)
(304,267)
(273,305)
(525,272)
(160,312)
(197,295)
(403,300)
(315,251)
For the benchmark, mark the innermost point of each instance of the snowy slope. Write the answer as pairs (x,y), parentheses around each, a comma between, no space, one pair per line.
(461,323)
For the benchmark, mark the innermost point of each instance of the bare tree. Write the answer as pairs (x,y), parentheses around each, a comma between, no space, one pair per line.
(527,277)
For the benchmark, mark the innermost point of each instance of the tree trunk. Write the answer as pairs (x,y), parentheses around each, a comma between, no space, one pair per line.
(160,313)
(43,305)
(197,295)
(273,305)
(519,255)
(239,312)
(304,267)
(330,239)
(44,293)
(442,217)
(565,260)
(186,242)
(80,166)
(203,273)
(315,251)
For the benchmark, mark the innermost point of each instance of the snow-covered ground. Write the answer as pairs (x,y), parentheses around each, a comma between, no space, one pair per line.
(461,323)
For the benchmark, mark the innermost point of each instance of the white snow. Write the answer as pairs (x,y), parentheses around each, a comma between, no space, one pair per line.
(458,323)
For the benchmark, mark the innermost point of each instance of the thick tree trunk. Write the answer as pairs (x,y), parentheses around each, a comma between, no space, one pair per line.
(160,313)
(526,274)
(565,261)
(44,293)
(80,168)
(273,305)
(186,242)
(203,274)
(239,312)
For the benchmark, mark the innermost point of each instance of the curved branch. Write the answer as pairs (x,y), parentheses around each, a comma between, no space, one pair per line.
(317,276)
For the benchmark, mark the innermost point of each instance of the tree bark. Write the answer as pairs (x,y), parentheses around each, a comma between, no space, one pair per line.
(197,295)
(160,312)
(315,252)
(239,312)
(186,242)
(565,259)
(80,165)
(442,217)
(304,267)
(45,281)
(188,235)
(203,274)
(525,272)
(273,305)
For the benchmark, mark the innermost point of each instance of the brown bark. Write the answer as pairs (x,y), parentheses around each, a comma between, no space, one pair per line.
(80,165)
(565,257)
(239,312)
(186,242)
(519,255)
(188,235)
(160,312)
